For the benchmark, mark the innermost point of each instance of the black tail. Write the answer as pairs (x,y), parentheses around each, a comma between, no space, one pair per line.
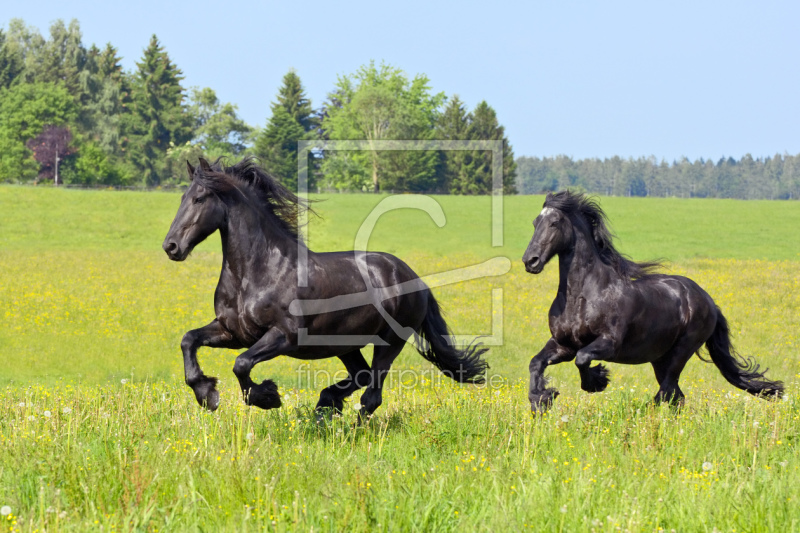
(740,372)
(465,365)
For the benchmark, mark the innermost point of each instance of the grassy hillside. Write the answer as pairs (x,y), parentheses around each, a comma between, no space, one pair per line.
(98,429)
(59,219)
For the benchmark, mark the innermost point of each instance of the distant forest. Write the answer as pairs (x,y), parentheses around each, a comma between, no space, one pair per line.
(70,114)
(776,177)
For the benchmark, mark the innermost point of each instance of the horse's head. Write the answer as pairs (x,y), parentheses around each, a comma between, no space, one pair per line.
(200,214)
(552,233)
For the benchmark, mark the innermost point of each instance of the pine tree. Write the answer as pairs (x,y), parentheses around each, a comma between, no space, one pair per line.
(292,120)
(453,125)
(476,172)
(293,99)
(158,115)
(111,102)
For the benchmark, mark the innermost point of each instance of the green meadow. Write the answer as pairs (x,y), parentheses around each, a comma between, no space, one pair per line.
(98,429)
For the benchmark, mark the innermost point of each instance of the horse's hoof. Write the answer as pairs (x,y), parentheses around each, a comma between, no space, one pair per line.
(265,395)
(205,391)
(542,401)
(596,379)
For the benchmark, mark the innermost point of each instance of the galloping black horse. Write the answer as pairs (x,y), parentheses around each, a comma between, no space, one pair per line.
(609,308)
(259,302)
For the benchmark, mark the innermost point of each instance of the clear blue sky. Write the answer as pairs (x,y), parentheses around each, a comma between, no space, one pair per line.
(586,79)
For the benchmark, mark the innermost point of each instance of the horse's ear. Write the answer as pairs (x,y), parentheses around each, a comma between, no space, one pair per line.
(204,165)
(190,168)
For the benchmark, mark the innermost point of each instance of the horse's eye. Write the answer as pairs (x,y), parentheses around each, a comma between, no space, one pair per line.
(200,199)
(553,224)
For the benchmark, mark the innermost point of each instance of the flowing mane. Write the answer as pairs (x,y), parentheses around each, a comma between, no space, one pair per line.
(585,212)
(272,198)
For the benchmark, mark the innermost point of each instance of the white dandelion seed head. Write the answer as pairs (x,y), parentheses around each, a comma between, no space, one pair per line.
(357,406)
(563,508)
(66,410)
(5,510)
(565,418)
(707,466)
(22,404)
(123,381)
(680,432)
(31,418)
(756,424)
(47,414)
(249,436)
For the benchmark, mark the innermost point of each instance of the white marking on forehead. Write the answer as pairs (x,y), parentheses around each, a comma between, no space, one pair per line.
(546,211)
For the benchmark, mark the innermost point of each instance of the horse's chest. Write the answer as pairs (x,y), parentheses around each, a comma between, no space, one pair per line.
(574,325)
(240,318)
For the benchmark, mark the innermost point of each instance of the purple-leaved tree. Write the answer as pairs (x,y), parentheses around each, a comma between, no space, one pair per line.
(49,148)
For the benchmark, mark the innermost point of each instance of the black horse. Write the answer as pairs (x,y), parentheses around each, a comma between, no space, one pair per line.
(609,308)
(354,298)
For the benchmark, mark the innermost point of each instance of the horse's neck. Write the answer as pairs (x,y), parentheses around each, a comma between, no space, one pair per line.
(252,245)
(578,267)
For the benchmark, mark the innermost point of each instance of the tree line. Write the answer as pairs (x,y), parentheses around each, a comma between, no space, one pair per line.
(776,177)
(71,114)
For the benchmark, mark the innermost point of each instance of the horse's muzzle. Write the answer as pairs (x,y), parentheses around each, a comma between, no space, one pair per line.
(534,265)
(173,250)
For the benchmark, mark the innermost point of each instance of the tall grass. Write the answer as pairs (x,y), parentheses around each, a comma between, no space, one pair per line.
(97,428)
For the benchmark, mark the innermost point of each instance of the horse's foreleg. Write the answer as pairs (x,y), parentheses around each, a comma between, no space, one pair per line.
(594,379)
(540,396)
(265,394)
(213,335)
(358,376)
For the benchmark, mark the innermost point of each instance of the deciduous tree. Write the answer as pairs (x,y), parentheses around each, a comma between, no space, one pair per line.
(50,148)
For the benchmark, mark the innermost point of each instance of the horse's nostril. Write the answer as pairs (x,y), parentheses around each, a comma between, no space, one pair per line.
(170,246)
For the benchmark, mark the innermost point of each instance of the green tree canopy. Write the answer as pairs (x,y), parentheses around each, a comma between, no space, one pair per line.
(381,103)
(218,130)
(10,62)
(25,110)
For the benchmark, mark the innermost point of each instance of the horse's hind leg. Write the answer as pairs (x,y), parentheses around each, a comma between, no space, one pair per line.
(332,397)
(669,367)
(204,387)
(382,360)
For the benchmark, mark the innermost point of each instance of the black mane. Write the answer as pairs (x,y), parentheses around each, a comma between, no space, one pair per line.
(585,212)
(272,197)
